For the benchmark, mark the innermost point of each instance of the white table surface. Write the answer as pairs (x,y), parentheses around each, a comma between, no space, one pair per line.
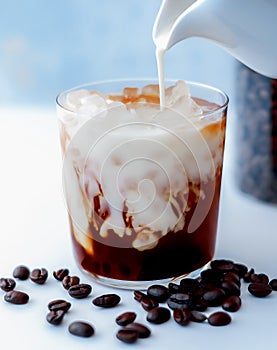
(34,231)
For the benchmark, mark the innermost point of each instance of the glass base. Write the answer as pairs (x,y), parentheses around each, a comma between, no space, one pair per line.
(141,285)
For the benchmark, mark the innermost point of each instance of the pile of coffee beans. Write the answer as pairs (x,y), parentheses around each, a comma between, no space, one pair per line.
(57,308)
(218,286)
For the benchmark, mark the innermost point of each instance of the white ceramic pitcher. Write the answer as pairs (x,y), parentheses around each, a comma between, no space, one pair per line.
(245,28)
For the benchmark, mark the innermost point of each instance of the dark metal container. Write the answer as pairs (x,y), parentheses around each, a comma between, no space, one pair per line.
(256,134)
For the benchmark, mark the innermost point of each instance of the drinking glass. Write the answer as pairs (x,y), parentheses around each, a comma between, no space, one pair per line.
(141,184)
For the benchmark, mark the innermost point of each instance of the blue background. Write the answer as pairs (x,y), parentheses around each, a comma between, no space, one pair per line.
(47,46)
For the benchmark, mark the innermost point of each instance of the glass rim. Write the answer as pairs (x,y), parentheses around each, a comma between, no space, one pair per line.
(221,107)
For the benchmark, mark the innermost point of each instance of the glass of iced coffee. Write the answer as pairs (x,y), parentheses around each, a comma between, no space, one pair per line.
(141,182)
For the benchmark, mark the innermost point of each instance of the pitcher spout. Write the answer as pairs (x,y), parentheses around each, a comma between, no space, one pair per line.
(178,20)
(246,29)
(168,14)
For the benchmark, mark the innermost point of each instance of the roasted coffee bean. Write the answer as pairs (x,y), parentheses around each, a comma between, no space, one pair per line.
(7,284)
(259,290)
(60,274)
(211,275)
(222,265)
(182,316)
(263,278)
(179,301)
(219,319)
(197,316)
(138,295)
(107,300)
(231,276)
(127,335)
(158,292)
(143,331)
(189,285)
(230,287)
(199,292)
(59,304)
(70,281)
(158,315)
(55,317)
(80,291)
(174,288)
(273,284)
(255,278)
(232,303)
(39,276)
(198,304)
(81,329)
(125,318)
(240,269)
(259,278)
(21,272)
(247,275)
(16,297)
(148,303)
(214,297)
(206,285)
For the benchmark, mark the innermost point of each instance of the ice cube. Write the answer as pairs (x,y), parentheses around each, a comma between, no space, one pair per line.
(116,104)
(92,105)
(151,89)
(73,98)
(118,114)
(188,107)
(178,98)
(175,92)
(88,111)
(93,99)
(131,93)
